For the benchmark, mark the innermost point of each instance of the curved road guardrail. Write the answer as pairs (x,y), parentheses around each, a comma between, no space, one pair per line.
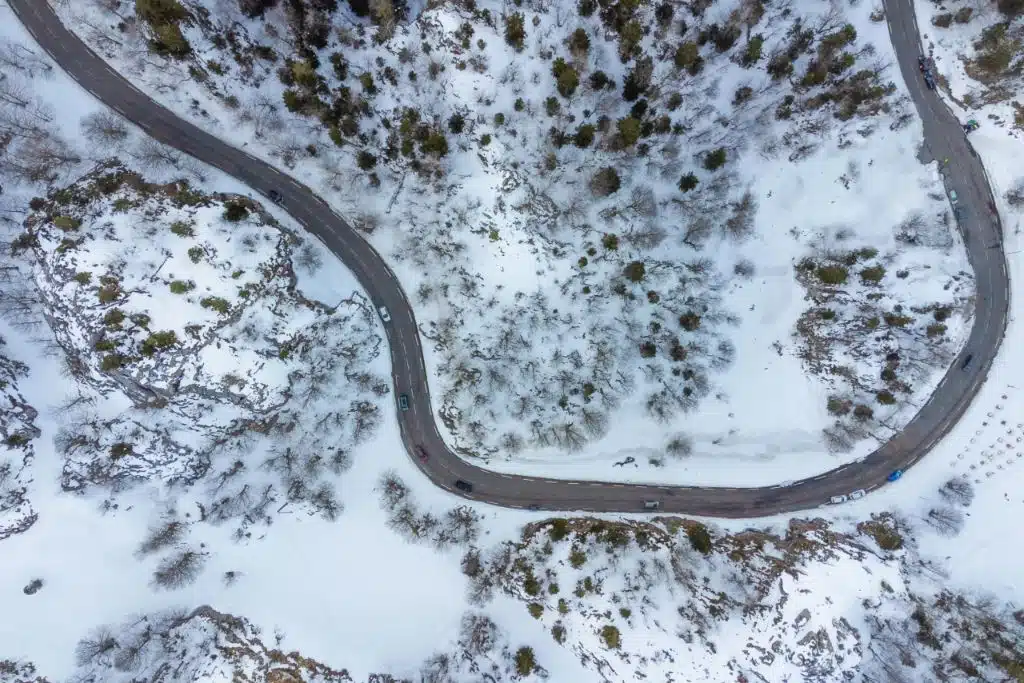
(943,135)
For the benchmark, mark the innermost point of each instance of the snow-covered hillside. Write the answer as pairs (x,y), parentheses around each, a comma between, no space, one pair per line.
(907,584)
(662,600)
(622,225)
(196,355)
(668,600)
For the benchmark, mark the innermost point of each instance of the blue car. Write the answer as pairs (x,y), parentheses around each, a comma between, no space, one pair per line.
(896,474)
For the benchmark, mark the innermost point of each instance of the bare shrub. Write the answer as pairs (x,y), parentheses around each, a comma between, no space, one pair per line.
(165,535)
(740,223)
(308,258)
(744,268)
(837,438)
(679,446)
(697,232)
(393,490)
(958,490)
(604,182)
(179,570)
(1015,195)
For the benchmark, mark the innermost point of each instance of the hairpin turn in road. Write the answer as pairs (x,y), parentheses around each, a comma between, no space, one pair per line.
(944,138)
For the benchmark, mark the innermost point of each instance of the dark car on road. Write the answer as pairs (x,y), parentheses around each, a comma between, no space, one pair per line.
(403,402)
(275,196)
(929,80)
(463,485)
(960,213)
(421,453)
(967,361)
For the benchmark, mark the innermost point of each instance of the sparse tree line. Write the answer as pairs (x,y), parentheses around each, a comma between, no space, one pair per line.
(204,642)
(33,150)
(458,527)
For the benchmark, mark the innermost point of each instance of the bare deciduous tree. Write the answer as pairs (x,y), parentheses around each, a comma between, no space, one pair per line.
(166,534)
(179,570)
(946,520)
(105,129)
(156,156)
(698,230)
(958,490)
(98,643)
(14,55)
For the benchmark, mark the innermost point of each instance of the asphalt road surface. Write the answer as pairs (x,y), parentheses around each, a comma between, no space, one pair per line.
(945,139)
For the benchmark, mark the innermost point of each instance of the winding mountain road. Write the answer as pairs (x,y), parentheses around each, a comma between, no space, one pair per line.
(944,139)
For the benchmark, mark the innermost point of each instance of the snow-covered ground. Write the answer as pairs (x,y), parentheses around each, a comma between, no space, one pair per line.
(988,442)
(354,594)
(545,356)
(84,548)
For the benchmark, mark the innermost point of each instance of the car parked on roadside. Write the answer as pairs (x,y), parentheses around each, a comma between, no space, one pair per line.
(929,80)
(421,453)
(463,485)
(858,494)
(275,196)
(836,500)
(967,361)
(384,315)
(894,475)
(959,213)
(953,197)
(403,402)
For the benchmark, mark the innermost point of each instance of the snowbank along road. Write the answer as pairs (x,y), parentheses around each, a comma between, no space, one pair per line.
(944,139)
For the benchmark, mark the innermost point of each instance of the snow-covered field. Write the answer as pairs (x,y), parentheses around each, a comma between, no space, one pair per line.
(364,593)
(573,327)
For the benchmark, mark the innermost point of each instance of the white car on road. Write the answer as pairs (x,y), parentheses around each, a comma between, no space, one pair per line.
(836,500)
(384,315)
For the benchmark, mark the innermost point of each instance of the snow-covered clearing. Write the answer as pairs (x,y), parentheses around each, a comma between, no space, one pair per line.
(579,317)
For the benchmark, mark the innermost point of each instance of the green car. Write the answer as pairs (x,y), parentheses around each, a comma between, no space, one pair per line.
(403,402)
